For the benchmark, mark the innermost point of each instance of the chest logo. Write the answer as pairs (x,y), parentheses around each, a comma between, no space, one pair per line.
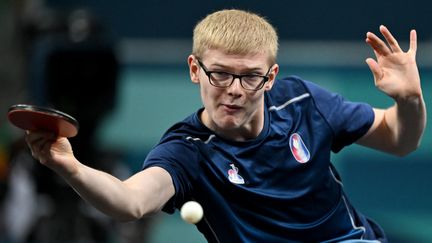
(298,148)
(233,175)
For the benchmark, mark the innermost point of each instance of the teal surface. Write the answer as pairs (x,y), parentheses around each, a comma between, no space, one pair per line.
(394,191)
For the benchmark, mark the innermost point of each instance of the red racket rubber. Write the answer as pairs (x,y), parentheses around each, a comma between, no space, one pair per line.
(36,118)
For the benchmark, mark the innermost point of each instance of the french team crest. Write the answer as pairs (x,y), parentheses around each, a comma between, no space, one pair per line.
(298,148)
(233,175)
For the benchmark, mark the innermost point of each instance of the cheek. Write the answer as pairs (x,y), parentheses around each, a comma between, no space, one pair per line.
(256,97)
(255,102)
(207,96)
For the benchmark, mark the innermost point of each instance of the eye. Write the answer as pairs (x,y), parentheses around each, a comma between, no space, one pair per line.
(220,76)
(252,78)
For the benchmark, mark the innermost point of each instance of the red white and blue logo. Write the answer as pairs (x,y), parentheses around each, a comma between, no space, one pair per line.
(298,148)
(233,175)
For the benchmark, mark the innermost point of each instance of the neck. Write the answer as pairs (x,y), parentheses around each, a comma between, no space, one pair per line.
(250,130)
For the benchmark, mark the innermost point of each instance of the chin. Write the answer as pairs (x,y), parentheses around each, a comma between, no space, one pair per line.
(228,124)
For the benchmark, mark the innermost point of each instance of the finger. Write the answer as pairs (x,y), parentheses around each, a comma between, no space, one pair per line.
(392,42)
(375,69)
(42,133)
(377,44)
(413,41)
(32,136)
(36,140)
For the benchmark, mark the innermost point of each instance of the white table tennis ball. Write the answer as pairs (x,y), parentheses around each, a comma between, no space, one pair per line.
(191,212)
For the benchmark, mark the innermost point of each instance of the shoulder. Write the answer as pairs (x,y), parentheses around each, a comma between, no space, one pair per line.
(177,153)
(288,86)
(295,85)
(289,90)
(293,88)
(178,146)
(189,130)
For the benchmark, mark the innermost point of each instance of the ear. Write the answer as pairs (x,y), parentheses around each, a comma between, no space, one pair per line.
(272,77)
(193,69)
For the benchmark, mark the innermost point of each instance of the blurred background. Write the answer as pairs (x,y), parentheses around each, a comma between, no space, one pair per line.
(120,68)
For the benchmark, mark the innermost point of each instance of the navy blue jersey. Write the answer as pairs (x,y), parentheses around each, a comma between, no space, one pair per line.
(278,187)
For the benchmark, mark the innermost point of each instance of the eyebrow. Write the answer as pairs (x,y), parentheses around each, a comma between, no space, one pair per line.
(247,70)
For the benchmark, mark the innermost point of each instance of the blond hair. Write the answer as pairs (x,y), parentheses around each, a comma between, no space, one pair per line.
(235,32)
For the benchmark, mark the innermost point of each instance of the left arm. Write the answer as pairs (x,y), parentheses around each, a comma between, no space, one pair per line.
(398,129)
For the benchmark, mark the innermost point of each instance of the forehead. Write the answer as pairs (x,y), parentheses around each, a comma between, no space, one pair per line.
(248,61)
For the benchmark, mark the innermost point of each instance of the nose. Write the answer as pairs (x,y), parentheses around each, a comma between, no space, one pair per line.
(235,89)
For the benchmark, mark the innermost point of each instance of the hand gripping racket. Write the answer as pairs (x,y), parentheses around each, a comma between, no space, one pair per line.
(36,118)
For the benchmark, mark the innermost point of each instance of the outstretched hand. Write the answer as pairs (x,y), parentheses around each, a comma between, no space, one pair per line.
(395,71)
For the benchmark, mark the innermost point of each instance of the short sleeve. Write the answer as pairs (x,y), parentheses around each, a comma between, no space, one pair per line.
(180,159)
(348,120)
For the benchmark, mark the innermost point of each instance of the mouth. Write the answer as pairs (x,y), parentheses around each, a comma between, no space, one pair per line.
(231,108)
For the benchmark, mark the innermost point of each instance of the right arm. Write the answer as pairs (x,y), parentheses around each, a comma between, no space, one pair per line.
(142,194)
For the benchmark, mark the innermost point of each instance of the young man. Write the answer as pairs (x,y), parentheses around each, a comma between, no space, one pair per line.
(257,155)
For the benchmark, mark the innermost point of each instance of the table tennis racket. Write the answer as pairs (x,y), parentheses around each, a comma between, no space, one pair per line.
(37,118)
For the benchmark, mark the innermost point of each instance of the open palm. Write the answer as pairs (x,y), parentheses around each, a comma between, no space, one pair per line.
(395,71)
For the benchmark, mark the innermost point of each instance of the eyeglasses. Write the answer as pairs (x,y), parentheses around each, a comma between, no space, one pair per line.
(220,79)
